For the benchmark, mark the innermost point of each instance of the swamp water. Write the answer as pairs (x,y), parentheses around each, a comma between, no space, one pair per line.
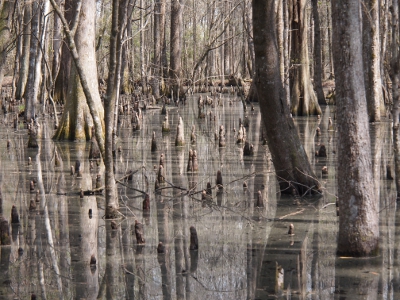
(244,252)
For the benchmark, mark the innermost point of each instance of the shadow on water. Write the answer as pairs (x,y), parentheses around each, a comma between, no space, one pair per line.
(64,249)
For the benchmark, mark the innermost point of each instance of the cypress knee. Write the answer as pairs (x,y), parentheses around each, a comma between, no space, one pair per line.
(194,243)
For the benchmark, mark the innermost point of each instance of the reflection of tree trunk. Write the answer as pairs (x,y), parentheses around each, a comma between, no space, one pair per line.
(113,274)
(128,260)
(164,259)
(178,230)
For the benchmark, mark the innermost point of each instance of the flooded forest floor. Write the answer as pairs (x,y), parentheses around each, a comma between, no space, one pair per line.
(64,248)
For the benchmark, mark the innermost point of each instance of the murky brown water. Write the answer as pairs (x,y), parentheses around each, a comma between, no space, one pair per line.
(244,250)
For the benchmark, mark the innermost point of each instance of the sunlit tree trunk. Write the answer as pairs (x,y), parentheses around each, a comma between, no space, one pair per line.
(77,119)
(288,155)
(358,207)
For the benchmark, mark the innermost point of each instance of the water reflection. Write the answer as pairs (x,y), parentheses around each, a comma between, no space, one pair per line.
(61,250)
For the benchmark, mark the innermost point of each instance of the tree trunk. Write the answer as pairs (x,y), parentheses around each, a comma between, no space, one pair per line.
(31,89)
(57,42)
(176,43)
(80,116)
(395,93)
(5,22)
(303,99)
(359,212)
(118,22)
(156,74)
(288,155)
(372,60)
(24,60)
(317,55)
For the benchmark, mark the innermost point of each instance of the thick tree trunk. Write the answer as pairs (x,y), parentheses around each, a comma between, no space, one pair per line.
(303,99)
(359,212)
(395,93)
(175,71)
(80,116)
(288,155)
(156,74)
(5,22)
(317,55)
(24,60)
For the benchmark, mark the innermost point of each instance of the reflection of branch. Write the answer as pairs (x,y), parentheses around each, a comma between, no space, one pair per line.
(211,290)
(292,214)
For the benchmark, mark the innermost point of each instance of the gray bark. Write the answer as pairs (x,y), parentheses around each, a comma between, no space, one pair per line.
(288,155)
(359,212)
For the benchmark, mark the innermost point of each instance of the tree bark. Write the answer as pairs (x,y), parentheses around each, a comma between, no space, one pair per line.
(395,77)
(176,43)
(24,60)
(372,60)
(359,212)
(31,90)
(288,155)
(79,116)
(317,55)
(303,99)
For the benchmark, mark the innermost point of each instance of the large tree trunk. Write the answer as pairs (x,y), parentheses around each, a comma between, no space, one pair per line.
(288,155)
(358,221)
(158,24)
(176,46)
(317,55)
(77,120)
(24,59)
(395,77)
(5,22)
(303,99)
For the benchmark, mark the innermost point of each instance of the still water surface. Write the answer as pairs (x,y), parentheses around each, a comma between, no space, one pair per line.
(245,251)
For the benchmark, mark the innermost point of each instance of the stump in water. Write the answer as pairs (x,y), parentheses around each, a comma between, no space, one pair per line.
(139,233)
(291,229)
(200,105)
(93,260)
(248,149)
(162,158)
(241,135)
(4,232)
(209,190)
(180,134)
(195,163)
(189,167)
(165,125)
(218,181)
(260,199)
(153,143)
(194,242)
(221,136)
(146,202)
(14,215)
(321,152)
(160,248)
(160,175)
(193,135)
